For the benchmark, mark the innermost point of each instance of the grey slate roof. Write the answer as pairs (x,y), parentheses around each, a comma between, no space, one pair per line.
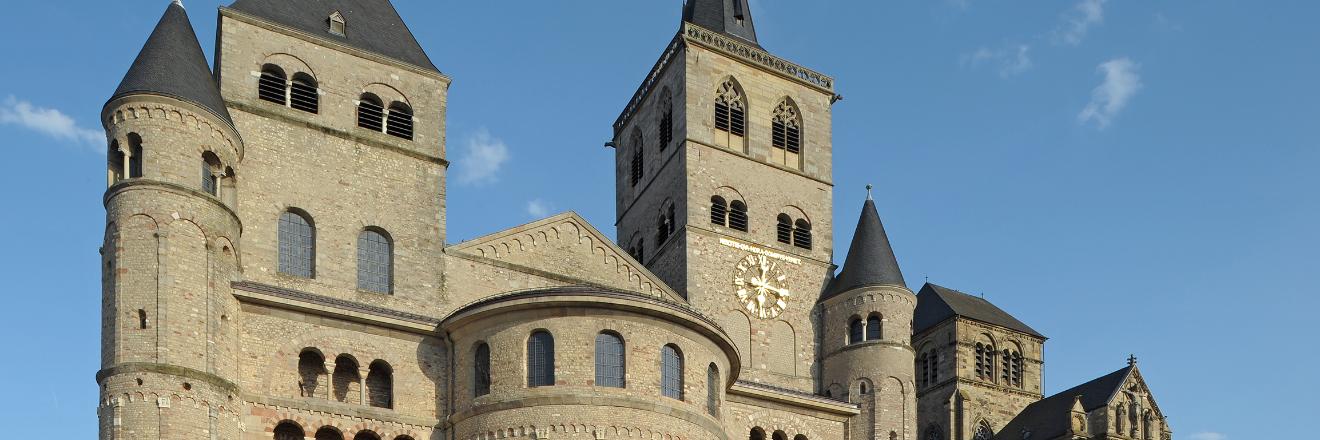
(172,64)
(720,16)
(370,25)
(1049,417)
(936,304)
(871,260)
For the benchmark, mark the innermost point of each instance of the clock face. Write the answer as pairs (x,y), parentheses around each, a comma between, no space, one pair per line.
(760,282)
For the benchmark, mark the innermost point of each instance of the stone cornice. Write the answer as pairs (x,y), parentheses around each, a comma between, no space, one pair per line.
(553,398)
(268,113)
(793,398)
(138,183)
(173,370)
(757,57)
(382,416)
(253,292)
(647,85)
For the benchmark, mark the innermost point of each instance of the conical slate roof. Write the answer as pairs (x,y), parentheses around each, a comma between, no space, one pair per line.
(728,17)
(370,25)
(871,260)
(172,64)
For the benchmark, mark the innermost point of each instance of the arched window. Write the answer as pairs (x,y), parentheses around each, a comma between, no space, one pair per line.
(297,245)
(328,433)
(211,171)
(288,430)
(730,117)
(778,435)
(481,370)
(610,360)
(637,250)
(802,234)
(115,163)
(665,224)
(142,319)
(366,435)
(1017,369)
(671,372)
(983,432)
(380,385)
(786,136)
(635,166)
(932,433)
(541,359)
(347,380)
(666,120)
(375,271)
(272,84)
(784,229)
(134,156)
(855,331)
(399,123)
(1006,369)
(312,374)
(874,329)
(934,366)
(719,211)
(801,437)
(713,390)
(371,113)
(981,360)
(303,94)
(757,434)
(738,215)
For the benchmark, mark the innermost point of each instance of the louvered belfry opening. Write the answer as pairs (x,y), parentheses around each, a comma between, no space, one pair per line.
(400,121)
(271,85)
(666,121)
(371,113)
(738,215)
(303,94)
(730,117)
(635,167)
(719,211)
(802,234)
(784,229)
(786,136)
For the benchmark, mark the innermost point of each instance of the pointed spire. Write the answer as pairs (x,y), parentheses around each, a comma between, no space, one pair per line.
(728,17)
(870,259)
(172,64)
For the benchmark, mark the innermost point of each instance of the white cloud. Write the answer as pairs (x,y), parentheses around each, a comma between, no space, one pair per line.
(49,122)
(481,160)
(1121,83)
(1008,61)
(1208,436)
(1077,22)
(538,208)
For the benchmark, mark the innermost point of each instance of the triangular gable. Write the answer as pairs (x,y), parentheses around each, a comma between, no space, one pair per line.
(566,245)
(1134,379)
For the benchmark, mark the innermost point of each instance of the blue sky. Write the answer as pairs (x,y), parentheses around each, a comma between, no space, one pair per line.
(1125,176)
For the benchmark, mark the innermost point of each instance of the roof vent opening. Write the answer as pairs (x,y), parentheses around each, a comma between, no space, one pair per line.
(337,25)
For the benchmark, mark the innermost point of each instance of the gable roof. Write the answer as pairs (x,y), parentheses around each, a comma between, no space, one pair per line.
(567,240)
(172,64)
(721,16)
(936,304)
(370,25)
(870,260)
(1049,417)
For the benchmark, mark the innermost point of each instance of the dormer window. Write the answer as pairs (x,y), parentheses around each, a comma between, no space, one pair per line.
(337,25)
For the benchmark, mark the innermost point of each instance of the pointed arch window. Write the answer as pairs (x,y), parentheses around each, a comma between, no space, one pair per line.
(666,120)
(272,85)
(297,245)
(303,94)
(541,359)
(671,372)
(983,432)
(371,112)
(611,362)
(730,117)
(635,166)
(874,329)
(786,136)
(481,370)
(375,271)
(399,122)
(665,224)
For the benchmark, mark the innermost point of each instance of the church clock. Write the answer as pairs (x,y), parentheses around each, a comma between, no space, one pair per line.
(759,282)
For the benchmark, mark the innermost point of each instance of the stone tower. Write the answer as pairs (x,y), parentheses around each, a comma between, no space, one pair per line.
(169,342)
(723,162)
(866,347)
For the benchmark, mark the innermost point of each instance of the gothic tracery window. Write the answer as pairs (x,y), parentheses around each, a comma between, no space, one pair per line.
(730,117)
(786,136)
(983,432)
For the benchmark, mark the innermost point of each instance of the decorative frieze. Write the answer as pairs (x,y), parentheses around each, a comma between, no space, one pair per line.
(755,55)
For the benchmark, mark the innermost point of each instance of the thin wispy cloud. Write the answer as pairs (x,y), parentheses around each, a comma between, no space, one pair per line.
(1078,21)
(1007,61)
(481,159)
(1121,82)
(538,208)
(1207,436)
(49,122)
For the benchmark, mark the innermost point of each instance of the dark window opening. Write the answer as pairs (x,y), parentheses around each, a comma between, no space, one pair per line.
(134,155)
(802,234)
(371,113)
(855,331)
(115,163)
(784,229)
(272,84)
(380,385)
(541,360)
(288,431)
(738,215)
(671,372)
(400,121)
(481,371)
(873,328)
(713,390)
(719,211)
(142,319)
(303,94)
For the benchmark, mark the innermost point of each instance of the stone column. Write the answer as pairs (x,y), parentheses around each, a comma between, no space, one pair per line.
(362,383)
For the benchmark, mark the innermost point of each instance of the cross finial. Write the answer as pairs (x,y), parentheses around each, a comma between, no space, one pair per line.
(868,191)
(178,2)
(1132,360)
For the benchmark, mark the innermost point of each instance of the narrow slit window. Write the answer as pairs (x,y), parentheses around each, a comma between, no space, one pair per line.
(142,319)
(713,390)
(481,371)
(134,155)
(666,121)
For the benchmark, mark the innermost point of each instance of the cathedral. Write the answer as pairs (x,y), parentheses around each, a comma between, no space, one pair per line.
(275,263)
